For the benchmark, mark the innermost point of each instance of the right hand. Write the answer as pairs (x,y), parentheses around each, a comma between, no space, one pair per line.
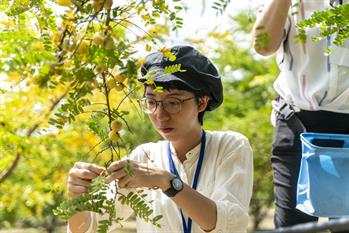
(81,176)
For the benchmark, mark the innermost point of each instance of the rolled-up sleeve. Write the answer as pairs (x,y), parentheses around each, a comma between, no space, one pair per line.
(91,228)
(233,187)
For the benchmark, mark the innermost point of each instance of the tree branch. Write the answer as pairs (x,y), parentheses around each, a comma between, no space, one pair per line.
(6,173)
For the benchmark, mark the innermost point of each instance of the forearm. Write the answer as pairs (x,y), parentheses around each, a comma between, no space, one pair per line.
(200,209)
(271,22)
(80,222)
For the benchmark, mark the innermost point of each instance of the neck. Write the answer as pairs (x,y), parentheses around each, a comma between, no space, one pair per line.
(184,145)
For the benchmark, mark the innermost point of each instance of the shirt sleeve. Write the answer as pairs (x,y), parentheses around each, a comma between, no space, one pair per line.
(233,187)
(91,228)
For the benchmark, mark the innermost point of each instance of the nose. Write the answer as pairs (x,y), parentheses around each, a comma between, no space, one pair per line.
(161,113)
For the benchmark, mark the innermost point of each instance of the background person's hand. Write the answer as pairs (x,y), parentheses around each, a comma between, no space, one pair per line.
(138,175)
(81,176)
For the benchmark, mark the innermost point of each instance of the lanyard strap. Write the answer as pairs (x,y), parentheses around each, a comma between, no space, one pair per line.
(187,227)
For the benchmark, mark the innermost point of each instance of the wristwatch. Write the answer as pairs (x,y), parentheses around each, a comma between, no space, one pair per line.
(176,186)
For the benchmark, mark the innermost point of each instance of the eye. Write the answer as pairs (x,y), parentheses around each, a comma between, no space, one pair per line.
(171,102)
(150,102)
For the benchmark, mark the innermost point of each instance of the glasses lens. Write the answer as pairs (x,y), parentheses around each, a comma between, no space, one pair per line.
(172,105)
(147,105)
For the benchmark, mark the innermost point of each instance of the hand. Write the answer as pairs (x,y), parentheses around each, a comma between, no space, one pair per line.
(81,176)
(138,175)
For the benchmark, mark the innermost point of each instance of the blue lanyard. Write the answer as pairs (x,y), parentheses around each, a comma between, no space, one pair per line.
(187,227)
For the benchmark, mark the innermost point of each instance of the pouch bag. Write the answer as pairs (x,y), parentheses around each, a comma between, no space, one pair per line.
(323,182)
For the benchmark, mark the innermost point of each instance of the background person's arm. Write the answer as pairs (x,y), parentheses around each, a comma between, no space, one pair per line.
(271,21)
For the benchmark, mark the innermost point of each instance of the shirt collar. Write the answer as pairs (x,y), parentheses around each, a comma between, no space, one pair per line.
(192,155)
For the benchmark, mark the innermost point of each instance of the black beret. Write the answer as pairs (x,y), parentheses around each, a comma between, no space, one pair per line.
(200,73)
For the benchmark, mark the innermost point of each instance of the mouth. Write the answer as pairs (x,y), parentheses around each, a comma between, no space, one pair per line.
(165,130)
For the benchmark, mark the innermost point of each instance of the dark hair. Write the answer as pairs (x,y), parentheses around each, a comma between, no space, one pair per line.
(181,86)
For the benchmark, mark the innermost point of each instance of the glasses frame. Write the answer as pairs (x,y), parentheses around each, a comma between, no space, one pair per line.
(162,104)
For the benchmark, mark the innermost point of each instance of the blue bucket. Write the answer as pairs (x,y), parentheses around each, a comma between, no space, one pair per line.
(323,182)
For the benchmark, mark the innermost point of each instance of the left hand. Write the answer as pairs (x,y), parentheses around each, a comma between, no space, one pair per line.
(139,175)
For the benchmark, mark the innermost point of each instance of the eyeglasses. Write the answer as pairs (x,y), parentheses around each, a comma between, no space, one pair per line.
(170,105)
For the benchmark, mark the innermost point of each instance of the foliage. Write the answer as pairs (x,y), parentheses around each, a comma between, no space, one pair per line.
(334,21)
(136,200)
(331,22)
(67,65)
(173,69)
(95,201)
(220,5)
(262,39)
(36,185)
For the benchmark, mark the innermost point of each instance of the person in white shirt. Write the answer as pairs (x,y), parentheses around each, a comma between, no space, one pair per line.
(199,181)
(313,92)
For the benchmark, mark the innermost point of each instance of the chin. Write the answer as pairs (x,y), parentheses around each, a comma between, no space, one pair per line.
(168,136)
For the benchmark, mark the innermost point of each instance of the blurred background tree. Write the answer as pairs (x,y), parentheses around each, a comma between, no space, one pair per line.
(68,69)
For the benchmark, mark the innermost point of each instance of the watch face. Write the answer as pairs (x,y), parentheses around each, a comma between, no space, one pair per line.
(177,184)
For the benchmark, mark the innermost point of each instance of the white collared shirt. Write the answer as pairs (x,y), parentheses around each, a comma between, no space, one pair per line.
(226,177)
(309,79)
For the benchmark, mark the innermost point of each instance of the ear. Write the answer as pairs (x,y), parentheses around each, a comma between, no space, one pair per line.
(203,102)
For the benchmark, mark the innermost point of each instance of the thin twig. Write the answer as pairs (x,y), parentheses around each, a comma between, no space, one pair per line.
(99,152)
(95,146)
(93,111)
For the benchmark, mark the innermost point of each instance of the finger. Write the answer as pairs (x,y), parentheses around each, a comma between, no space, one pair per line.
(78,189)
(89,166)
(117,175)
(125,182)
(117,165)
(96,169)
(80,182)
(80,165)
(83,174)
(72,194)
